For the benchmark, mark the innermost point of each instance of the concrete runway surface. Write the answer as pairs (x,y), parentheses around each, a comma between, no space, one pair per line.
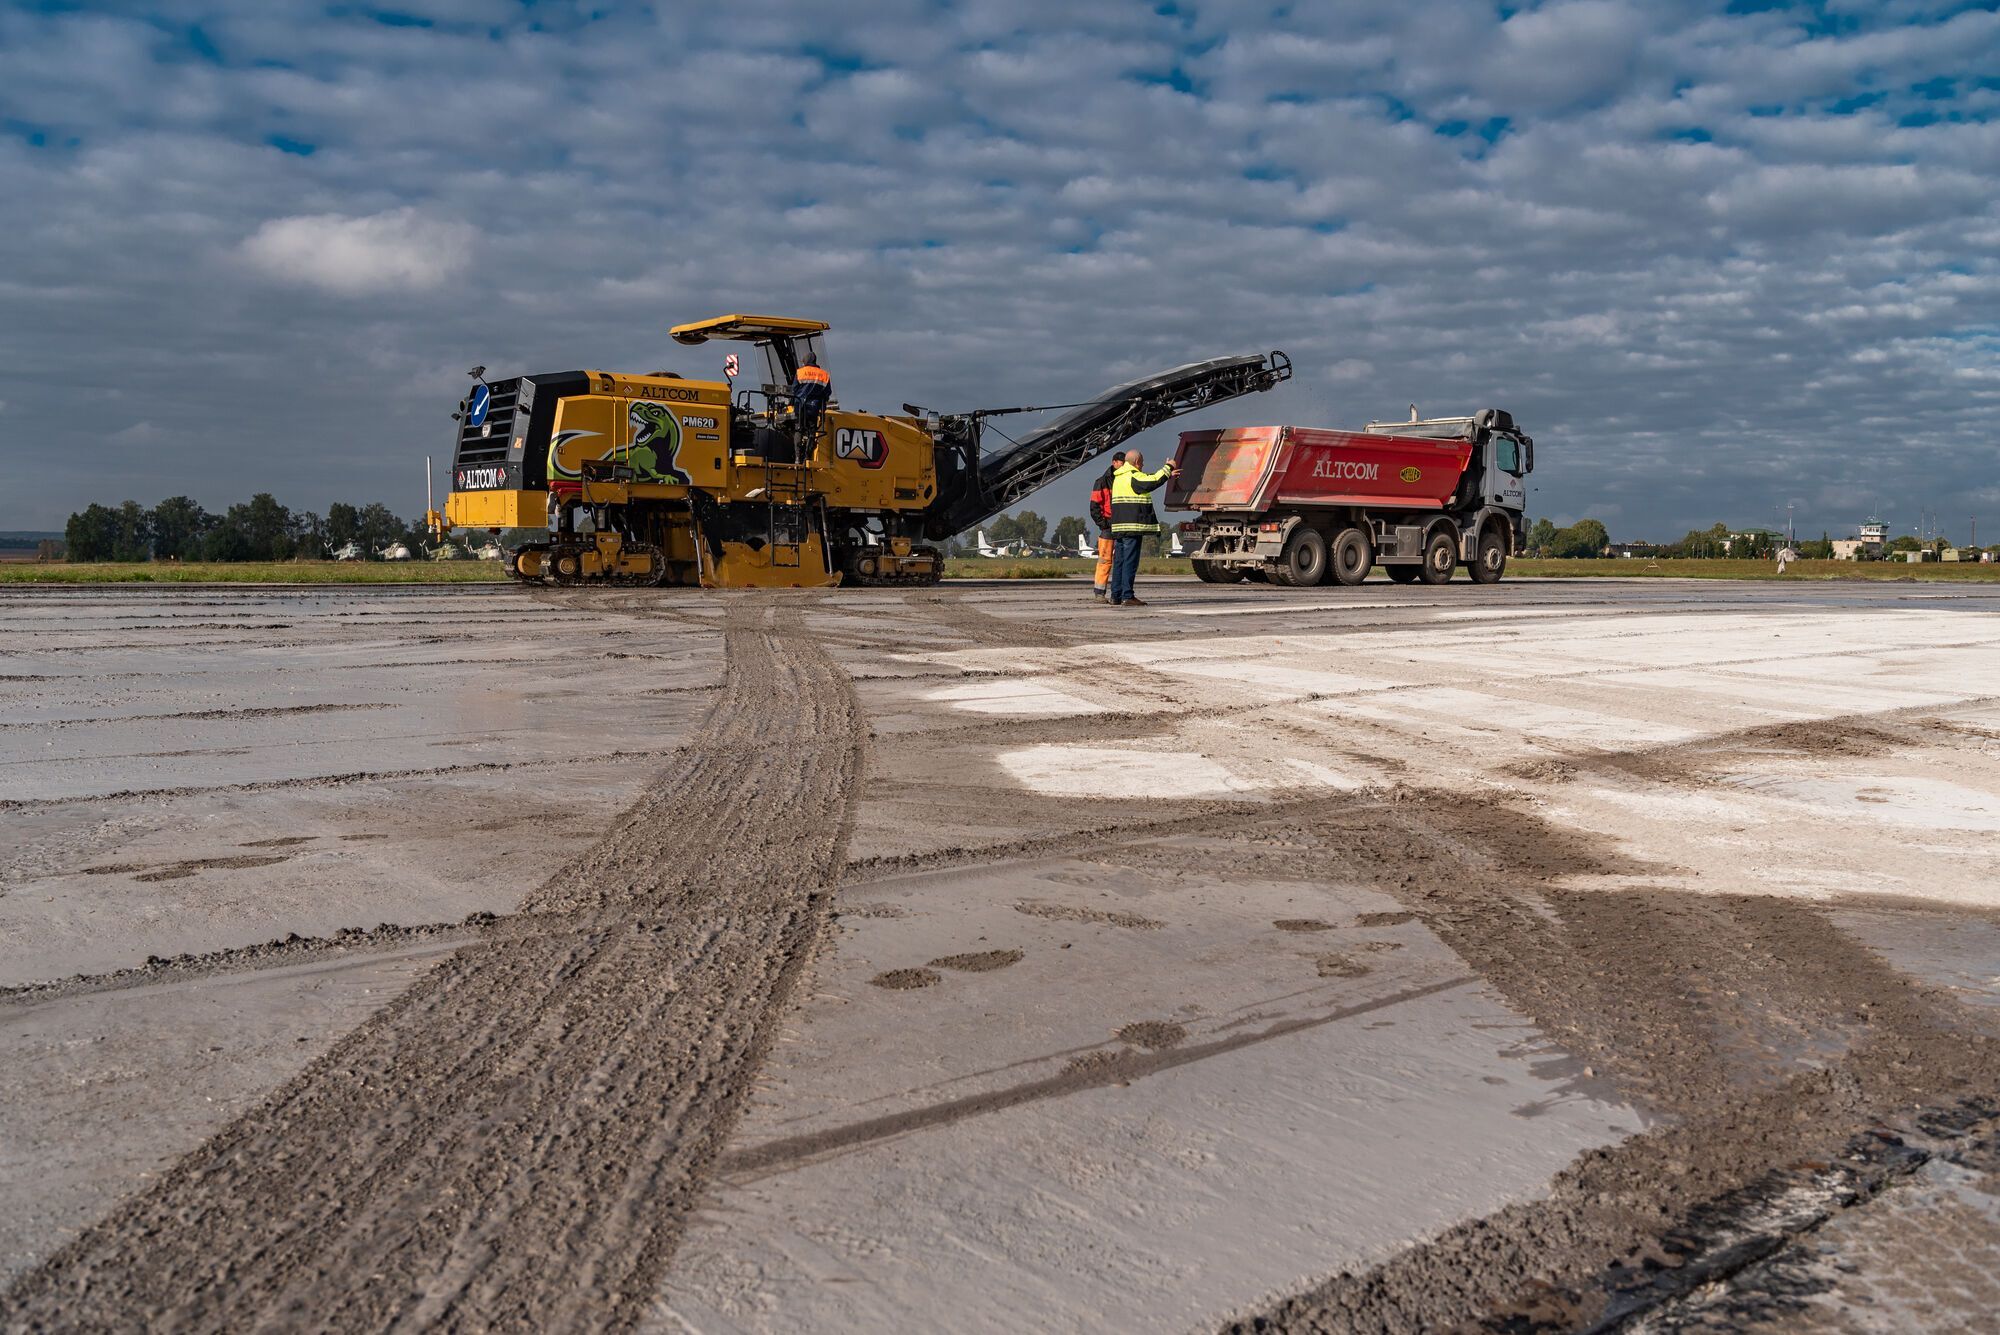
(1544,956)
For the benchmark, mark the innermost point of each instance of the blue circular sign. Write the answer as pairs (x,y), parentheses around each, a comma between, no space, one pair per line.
(482,397)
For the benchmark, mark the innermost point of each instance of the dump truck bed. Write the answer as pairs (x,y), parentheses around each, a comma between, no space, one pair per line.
(1258,468)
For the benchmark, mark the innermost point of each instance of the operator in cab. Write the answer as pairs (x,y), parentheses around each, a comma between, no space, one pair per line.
(811,389)
(1132,518)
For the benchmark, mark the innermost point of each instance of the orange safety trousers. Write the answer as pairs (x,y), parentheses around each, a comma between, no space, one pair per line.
(1103,562)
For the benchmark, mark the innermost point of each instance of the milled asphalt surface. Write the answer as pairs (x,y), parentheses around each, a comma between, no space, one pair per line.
(1338,959)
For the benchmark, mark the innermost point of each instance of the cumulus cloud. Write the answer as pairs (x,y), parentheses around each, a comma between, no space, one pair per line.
(382,252)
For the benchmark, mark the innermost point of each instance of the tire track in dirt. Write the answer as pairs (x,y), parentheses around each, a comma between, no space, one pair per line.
(983,627)
(318,780)
(515,1141)
(1701,1008)
(193,715)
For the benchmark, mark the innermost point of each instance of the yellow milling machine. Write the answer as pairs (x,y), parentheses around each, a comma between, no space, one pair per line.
(659,479)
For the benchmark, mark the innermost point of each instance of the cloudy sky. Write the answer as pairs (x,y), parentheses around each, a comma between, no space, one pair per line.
(1714,257)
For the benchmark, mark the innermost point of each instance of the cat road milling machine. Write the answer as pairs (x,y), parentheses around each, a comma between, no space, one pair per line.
(657,479)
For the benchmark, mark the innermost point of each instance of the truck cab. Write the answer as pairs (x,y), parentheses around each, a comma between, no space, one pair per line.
(1509,458)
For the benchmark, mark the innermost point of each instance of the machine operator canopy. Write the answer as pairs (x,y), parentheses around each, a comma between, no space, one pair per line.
(747,328)
(786,342)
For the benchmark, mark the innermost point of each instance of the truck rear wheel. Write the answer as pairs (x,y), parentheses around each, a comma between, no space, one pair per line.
(1353,556)
(1303,564)
(1211,572)
(1440,557)
(1491,561)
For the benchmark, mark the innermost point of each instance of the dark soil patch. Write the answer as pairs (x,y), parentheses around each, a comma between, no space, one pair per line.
(1067,913)
(1091,1063)
(1302,925)
(984,961)
(175,871)
(871,911)
(1153,1035)
(905,980)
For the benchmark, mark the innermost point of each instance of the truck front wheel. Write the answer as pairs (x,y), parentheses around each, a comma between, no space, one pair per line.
(1352,555)
(1491,560)
(1440,557)
(1214,572)
(1304,561)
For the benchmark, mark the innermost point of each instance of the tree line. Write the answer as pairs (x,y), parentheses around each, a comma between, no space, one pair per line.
(260,529)
(1586,537)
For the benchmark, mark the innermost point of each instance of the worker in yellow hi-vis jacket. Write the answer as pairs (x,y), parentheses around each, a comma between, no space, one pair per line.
(1132,518)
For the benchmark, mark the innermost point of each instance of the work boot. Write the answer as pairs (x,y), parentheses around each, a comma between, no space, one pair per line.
(1098,594)
(1133,602)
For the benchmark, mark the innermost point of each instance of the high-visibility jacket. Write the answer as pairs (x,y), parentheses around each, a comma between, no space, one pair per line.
(814,375)
(1131,500)
(1100,501)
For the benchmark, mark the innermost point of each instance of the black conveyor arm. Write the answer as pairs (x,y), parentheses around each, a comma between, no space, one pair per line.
(981,487)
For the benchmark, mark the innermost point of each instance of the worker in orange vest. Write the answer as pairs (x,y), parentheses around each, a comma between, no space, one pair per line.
(811,389)
(1100,515)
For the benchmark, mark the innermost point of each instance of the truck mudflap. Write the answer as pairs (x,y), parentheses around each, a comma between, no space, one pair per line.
(1238,542)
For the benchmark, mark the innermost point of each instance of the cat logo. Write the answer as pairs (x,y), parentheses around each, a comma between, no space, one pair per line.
(1410,474)
(862,446)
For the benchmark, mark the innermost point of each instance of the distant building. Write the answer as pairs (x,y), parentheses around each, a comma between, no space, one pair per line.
(1750,539)
(1867,546)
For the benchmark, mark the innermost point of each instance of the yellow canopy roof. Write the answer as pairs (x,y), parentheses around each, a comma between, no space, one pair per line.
(748,328)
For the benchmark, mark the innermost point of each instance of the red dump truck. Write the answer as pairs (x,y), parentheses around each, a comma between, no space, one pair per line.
(1299,505)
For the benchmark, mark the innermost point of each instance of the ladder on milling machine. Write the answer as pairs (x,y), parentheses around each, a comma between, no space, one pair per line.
(787,511)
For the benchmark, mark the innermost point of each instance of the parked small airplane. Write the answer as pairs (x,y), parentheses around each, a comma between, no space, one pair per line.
(1084,548)
(352,551)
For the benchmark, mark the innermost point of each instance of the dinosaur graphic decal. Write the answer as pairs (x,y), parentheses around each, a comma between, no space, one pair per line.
(655,432)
